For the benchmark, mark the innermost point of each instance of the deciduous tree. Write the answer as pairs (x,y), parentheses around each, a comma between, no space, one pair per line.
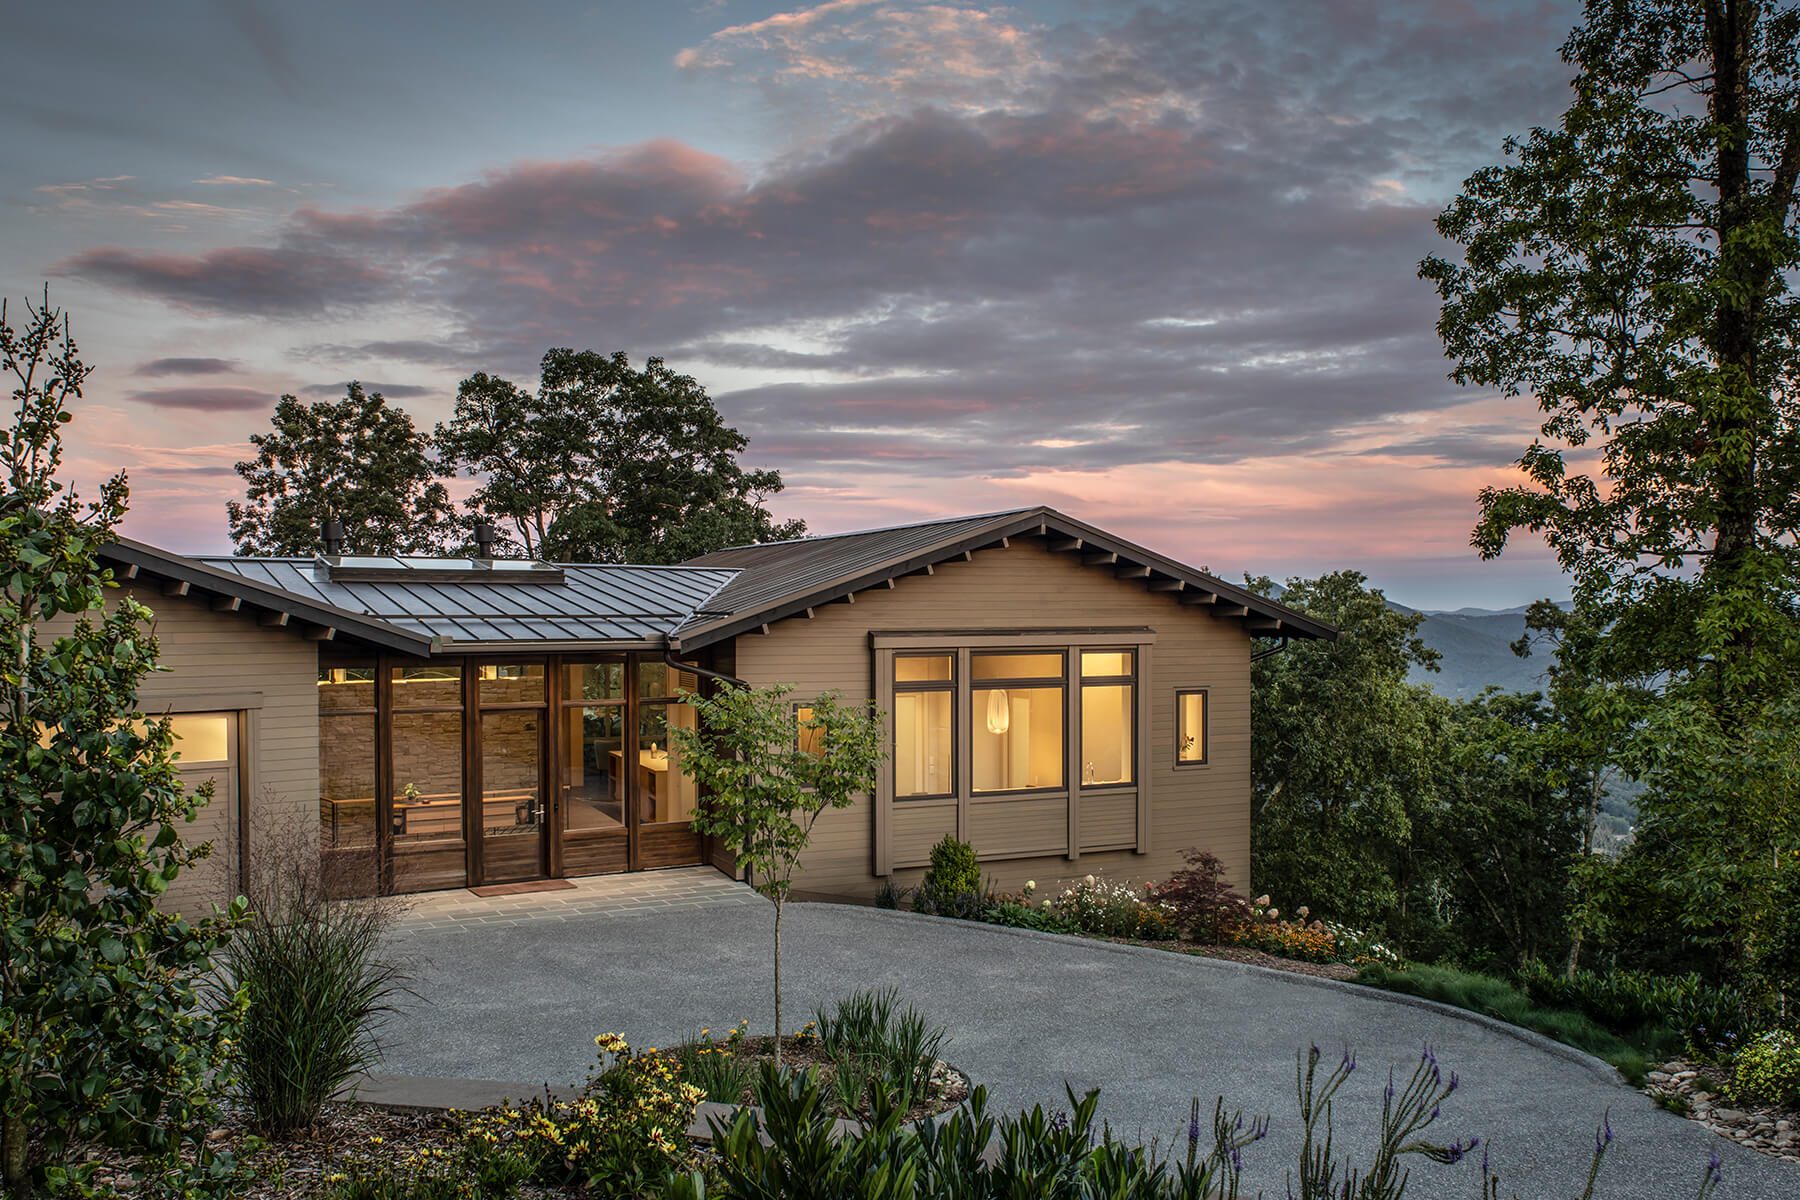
(605,462)
(103,1035)
(357,460)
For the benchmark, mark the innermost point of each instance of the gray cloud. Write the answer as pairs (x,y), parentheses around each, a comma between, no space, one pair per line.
(206,399)
(1190,234)
(188,366)
(393,391)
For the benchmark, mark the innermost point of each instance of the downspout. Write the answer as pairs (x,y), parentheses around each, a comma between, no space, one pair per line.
(1276,649)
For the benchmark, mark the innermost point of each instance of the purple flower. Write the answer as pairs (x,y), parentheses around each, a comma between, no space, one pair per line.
(1194,1129)
(1059,1121)
(1454,1081)
(1715,1167)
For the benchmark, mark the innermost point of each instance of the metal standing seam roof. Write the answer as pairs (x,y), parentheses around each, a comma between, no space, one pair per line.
(779,579)
(591,603)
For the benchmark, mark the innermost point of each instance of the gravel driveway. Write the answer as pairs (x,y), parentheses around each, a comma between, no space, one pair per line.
(522,1000)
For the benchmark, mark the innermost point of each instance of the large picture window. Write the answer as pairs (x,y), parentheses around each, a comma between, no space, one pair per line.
(924,698)
(1016,721)
(1108,717)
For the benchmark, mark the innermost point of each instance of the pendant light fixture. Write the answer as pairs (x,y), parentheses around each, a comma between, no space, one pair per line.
(999,712)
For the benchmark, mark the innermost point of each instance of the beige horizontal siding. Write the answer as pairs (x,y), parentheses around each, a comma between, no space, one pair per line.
(1026,586)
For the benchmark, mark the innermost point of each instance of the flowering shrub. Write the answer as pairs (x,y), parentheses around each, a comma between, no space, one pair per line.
(1309,941)
(473,1171)
(625,1135)
(1113,910)
(1768,1070)
(1358,948)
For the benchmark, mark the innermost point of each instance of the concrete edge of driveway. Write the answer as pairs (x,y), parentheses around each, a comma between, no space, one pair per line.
(1597,1067)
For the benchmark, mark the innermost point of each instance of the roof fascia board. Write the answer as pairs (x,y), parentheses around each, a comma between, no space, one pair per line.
(169,565)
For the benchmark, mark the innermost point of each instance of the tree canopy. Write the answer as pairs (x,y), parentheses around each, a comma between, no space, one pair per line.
(1629,268)
(605,462)
(355,459)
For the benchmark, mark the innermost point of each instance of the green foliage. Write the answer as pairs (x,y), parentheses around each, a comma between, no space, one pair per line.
(1632,1051)
(354,459)
(474,1170)
(313,973)
(608,463)
(1767,1070)
(954,872)
(104,1035)
(624,1136)
(718,1066)
(1626,1002)
(1653,322)
(1022,914)
(768,774)
(874,1043)
(1345,754)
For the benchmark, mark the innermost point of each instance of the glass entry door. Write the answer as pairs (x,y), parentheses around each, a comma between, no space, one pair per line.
(513,815)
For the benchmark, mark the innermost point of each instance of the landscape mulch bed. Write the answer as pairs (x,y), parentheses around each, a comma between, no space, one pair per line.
(1244,954)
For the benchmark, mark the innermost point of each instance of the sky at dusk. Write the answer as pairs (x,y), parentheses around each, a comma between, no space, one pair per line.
(1152,264)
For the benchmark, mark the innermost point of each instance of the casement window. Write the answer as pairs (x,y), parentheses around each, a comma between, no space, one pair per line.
(1016,721)
(1190,727)
(924,749)
(1108,717)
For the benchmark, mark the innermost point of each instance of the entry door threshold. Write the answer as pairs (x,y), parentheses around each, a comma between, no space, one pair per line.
(521,889)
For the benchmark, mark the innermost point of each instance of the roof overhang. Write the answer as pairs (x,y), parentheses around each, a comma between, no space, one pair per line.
(1093,547)
(228,592)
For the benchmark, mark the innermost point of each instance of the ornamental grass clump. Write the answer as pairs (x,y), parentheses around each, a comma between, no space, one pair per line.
(316,978)
(871,1041)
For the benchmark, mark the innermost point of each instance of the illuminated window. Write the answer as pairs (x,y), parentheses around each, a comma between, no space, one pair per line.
(811,738)
(1108,717)
(924,698)
(1016,730)
(201,737)
(1190,728)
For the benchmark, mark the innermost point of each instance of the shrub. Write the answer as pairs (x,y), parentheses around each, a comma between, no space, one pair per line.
(1022,914)
(624,1136)
(1767,1070)
(315,978)
(1201,901)
(474,1171)
(1265,930)
(1708,1016)
(889,896)
(1113,910)
(953,881)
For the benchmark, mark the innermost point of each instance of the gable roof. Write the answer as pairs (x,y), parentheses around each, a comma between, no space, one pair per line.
(451,606)
(783,579)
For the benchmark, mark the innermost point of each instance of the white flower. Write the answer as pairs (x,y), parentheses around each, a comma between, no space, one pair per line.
(1261,901)
(1089,880)
(1274,913)
(1030,886)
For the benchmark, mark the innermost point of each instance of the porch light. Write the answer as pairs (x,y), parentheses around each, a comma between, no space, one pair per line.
(999,713)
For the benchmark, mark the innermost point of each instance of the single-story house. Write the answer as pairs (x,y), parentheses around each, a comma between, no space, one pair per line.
(1064,700)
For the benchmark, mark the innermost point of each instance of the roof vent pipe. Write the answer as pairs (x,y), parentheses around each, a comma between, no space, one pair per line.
(332,534)
(484,540)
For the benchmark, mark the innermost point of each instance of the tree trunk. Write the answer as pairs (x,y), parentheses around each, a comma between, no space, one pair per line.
(12,1152)
(779,905)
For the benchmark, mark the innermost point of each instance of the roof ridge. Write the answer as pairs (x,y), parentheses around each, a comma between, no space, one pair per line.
(920,524)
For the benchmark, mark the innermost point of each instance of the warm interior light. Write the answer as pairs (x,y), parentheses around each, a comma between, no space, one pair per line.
(999,713)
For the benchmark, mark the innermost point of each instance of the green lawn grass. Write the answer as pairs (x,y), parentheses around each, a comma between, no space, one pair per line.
(1634,1053)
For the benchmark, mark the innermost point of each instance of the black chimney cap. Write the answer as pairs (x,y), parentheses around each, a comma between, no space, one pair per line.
(332,534)
(484,540)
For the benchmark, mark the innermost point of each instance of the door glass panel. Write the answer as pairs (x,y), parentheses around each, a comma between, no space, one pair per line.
(594,766)
(201,737)
(427,777)
(594,681)
(512,808)
(511,683)
(347,804)
(665,794)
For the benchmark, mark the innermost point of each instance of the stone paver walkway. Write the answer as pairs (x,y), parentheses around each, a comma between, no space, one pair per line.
(676,890)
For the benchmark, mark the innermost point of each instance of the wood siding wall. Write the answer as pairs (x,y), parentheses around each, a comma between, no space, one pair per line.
(225,662)
(1027,586)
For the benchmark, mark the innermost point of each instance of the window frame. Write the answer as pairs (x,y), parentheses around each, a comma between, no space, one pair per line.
(948,686)
(1205,759)
(1024,683)
(1136,708)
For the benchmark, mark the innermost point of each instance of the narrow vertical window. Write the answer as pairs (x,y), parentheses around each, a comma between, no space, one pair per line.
(1190,728)
(924,696)
(1108,717)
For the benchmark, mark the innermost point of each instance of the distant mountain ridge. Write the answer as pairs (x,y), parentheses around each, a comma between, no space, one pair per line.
(1476,644)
